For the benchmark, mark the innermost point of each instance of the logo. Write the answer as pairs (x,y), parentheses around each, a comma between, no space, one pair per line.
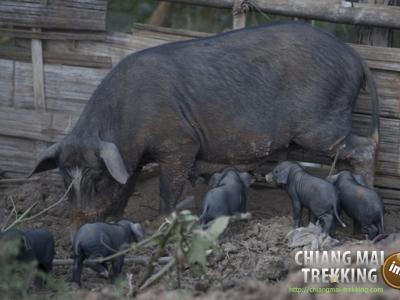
(391,270)
(337,266)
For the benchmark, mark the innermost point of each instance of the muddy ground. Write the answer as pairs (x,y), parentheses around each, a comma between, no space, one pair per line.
(253,260)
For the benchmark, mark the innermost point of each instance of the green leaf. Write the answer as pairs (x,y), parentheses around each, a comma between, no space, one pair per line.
(204,239)
(218,227)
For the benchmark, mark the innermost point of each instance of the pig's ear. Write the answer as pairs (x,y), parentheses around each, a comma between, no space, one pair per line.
(360,180)
(215,179)
(282,177)
(48,160)
(113,160)
(333,178)
(137,230)
(246,178)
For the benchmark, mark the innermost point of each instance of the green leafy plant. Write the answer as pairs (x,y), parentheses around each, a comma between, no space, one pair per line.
(15,277)
(18,279)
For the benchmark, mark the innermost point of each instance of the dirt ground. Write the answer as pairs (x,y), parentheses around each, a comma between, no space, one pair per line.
(253,260)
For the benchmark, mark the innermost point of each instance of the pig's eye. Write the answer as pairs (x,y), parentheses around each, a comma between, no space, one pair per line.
(100,183)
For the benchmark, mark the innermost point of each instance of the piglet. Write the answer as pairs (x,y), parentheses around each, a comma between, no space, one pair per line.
(360,203)
(305,190)
(227,195)
(97,240)
(35,245)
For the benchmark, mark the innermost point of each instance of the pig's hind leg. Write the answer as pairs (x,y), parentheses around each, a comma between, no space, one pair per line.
(100,268)
(77,269)
(116,267)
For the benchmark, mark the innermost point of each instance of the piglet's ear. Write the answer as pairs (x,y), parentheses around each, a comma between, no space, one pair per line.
(246,178)
(360,180)
(113,161)
(282,176)
(215,179)
(137,230)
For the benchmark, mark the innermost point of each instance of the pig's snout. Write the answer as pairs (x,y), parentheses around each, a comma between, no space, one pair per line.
(105,274)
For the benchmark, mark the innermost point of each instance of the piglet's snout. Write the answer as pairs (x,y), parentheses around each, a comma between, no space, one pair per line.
(105,274)
(269,179)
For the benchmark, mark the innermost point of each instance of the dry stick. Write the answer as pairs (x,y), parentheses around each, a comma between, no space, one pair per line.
(157,255)
(148,281)
(22,218)
(14,207)
(255,5)
(141,260)
(7,220)
(130,285)
(334,163)
(14,210)
(134,246)
(63,197)
(153,279)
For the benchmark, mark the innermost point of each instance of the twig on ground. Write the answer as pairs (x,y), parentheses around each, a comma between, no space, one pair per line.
(133,246)
(153,279)
(63,197)
(130,285)
(14,210)
(157,255)
(20,218)
(140,260)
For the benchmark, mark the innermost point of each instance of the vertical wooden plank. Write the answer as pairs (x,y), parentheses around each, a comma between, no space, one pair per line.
(239,10)
(375,36)
(37,74)
(162,15)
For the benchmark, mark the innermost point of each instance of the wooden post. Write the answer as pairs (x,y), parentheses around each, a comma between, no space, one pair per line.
(37,74)
(162,15)
(240,7)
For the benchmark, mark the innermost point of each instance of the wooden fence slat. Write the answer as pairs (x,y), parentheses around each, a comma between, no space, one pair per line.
(50,57)
(38,126)
(67,87)
(67,14)
(51,35)
(239,15)
(388,84)
(37,74)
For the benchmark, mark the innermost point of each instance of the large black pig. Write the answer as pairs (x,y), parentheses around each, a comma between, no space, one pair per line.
(230,99)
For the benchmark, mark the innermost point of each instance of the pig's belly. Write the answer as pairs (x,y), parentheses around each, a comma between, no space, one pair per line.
(243,150)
